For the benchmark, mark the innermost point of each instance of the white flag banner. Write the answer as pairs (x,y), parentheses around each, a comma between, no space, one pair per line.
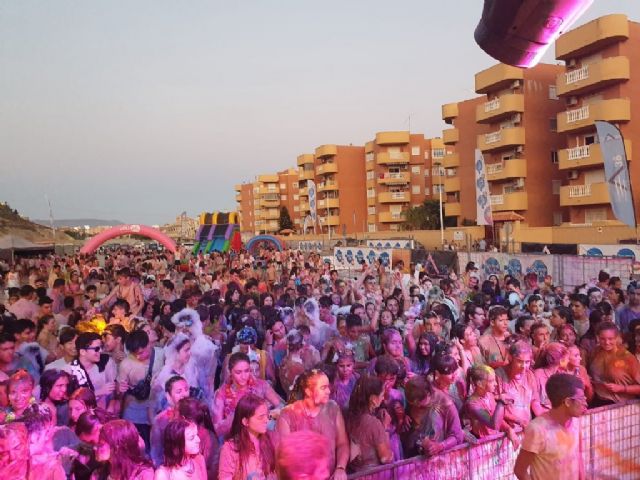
(483,197)
(313,201)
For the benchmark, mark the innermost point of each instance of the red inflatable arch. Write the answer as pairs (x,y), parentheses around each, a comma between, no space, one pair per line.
(94,242)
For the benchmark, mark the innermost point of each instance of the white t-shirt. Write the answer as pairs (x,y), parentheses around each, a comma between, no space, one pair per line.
(557,448)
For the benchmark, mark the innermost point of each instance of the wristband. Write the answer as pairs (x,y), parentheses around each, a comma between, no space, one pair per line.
(340,468)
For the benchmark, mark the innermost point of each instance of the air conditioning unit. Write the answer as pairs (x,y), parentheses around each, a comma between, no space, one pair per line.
(572,101)
(516,84)
(517,118)
(520,183)
(519,149)
(571,62)
(573,175)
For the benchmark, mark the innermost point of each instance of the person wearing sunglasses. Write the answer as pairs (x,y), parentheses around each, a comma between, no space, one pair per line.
(93,369)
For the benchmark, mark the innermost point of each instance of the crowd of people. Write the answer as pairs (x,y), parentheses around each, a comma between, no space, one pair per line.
(137,365)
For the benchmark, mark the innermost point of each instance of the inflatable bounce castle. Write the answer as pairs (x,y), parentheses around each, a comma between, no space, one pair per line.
(216,232)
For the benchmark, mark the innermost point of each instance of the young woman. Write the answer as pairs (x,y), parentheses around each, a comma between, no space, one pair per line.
(87,429)
(311,409)
(345,379)
(47,337)
(368,426)
(467,336)
(182,457)
(54,391)
(120,451)
(483,408)
(449,379)
(82,400)
(176,388)
(552,359)
(20,393)
(575,367)
(239,383)
(421,359)
(249,450)
(560,316)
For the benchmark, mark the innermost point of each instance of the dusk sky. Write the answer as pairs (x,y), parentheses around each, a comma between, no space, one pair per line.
(138,110)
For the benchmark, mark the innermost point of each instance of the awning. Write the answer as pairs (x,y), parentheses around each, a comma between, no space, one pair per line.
(507,217)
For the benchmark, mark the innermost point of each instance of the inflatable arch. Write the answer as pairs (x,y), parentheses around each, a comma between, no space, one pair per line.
(255,241)
(94,242)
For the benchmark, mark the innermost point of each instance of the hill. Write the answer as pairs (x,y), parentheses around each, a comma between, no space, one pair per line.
(11,223)
(79,222)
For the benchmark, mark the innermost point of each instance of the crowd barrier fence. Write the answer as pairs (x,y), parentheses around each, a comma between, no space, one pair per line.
(610,447)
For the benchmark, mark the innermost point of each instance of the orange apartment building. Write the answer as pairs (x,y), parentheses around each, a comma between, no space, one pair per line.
(339,178)
(306,171)
(514,125)
(402,170)
(245,201)
(600,82)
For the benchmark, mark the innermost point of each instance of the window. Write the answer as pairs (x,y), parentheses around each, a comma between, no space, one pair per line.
(426,190)
(415,169)
(370,174)
(426,172)
(371,227)
(437,189)
(553,124)
(415,189)
(426,154)
(415,150)
(371,210)
(295,197)
(296,208)
(369,157)
(295,185)
(371,193)
(557,218)
(590,139)
(595,215)
(555,187)
(554,156)
(283,186)
(284,197)
(553,95)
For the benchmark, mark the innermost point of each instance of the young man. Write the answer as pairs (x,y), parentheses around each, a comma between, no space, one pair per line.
(615,371)
(56,293)
(551,444)
(113,338)
(46,307)
(629,312)
(8,358)
(93,369)
(67,339)
(25,307)
(493,342)
(126,290)
(580,310)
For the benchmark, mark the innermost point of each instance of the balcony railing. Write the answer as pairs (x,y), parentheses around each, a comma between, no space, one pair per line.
(493,168)
(493,137)
(576,191)
(492,105)
(577,75)
(577,153)
(497,199)
(578,114)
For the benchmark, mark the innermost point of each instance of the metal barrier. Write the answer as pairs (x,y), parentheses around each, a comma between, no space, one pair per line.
(610,450)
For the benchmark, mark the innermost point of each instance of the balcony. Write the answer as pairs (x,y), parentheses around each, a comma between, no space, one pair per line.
(326,150)
(372,218)
(305,159)
(449,112)
(592,36)
(451,160)
(450,136)
(394,178)
(590,194)
(326,168)
(270,227)
(509,201)
(391,217)
(593,76)
(269,178)
(332,220)
(516,168)
(270,214)
(237,187)
(613,110)
(497,77)
(306,174)
(238,198)
(303,192)
(266,191)
(452,209)
(332,202)
(392,158)
(394,197)
(452,184)
(392,138)
(269,203)
(504,138)
(327,186)
(500,107)
(585,156)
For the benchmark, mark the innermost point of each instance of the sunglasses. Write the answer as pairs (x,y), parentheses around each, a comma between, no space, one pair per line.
(95,349)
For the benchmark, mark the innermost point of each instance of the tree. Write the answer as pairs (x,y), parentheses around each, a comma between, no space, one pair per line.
(423,217)
(285,220)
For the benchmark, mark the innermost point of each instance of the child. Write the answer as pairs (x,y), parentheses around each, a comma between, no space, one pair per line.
(345,379)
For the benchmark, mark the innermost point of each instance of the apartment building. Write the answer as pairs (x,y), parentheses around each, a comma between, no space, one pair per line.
(245,207)
(514,126)
(290,195)
(600,81)
(339,177)
(458,162)
(306,171)
(402,170)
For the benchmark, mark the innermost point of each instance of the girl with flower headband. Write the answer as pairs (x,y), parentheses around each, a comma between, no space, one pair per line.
(240,382)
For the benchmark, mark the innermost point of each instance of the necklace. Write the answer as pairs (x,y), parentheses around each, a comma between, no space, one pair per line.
(499,347)
(189,468)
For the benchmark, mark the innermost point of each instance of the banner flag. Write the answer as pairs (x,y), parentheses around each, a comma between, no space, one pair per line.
(483,198)
(616,172)
(313,201)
